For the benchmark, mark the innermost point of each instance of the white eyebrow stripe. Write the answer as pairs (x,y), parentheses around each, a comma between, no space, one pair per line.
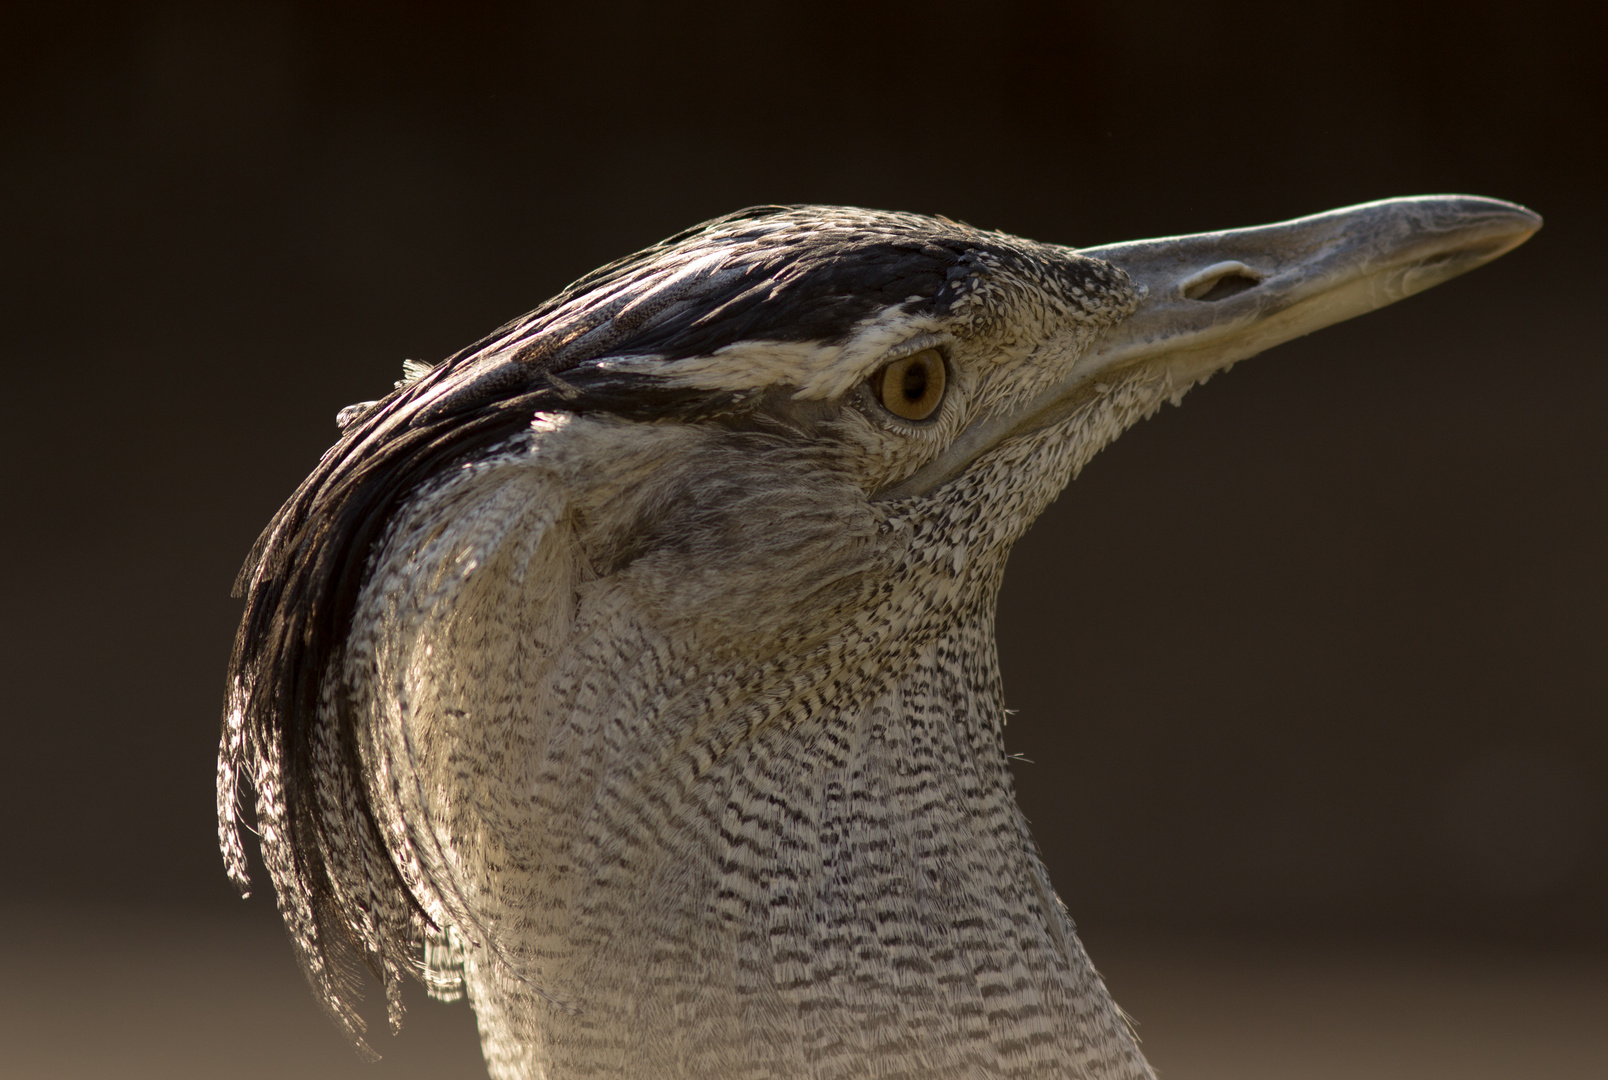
(820,371)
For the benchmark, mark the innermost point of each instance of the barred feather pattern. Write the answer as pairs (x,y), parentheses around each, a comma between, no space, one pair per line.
(584,674)
(679,853)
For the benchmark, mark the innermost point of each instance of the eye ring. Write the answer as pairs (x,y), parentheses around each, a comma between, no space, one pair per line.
(912,387)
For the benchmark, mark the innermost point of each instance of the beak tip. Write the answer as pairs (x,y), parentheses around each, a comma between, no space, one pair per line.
(1508,224)
(1497,215)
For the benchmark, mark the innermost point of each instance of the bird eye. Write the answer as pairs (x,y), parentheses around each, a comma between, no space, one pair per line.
(911,386)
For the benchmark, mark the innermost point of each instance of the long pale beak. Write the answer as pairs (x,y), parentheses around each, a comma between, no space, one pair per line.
(1212,299)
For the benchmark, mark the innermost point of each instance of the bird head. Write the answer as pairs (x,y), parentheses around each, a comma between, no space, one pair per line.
(706,512)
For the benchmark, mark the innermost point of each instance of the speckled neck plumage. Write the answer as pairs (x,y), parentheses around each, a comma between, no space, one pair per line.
(807,804)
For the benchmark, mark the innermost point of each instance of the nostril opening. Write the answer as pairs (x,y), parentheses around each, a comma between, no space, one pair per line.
(1225,286)
(1221,281)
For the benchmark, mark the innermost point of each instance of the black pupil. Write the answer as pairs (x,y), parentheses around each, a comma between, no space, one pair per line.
(914,383)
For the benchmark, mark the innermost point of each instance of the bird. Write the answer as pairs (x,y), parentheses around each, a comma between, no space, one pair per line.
(632,671)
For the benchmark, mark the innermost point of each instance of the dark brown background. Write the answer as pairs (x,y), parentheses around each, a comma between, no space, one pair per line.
(1314,666)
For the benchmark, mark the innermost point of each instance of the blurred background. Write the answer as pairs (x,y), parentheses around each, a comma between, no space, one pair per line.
(1309,673)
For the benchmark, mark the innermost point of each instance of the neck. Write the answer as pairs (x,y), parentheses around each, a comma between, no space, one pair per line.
(719,817)
(855,888)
